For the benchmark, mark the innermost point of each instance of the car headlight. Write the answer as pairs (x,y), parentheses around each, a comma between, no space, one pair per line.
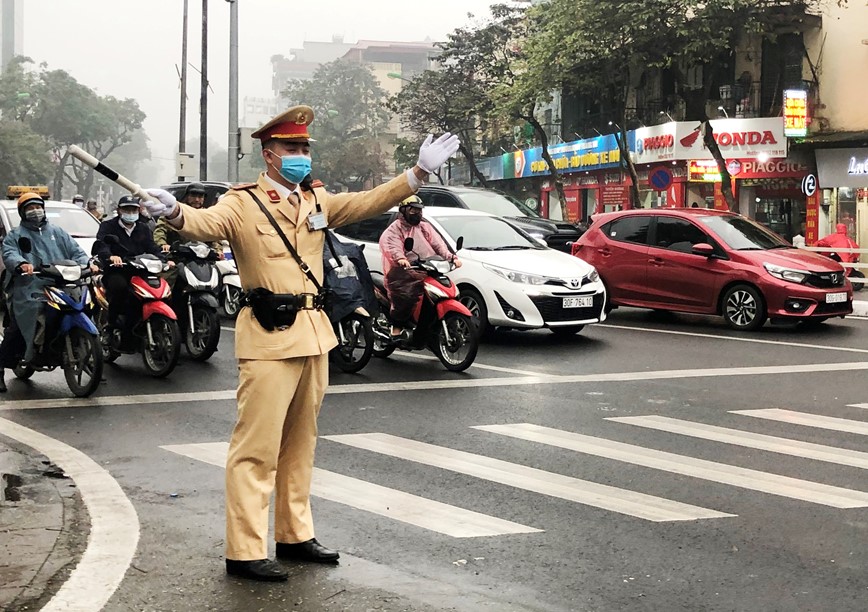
(518,277)
(593,276)
(787,274)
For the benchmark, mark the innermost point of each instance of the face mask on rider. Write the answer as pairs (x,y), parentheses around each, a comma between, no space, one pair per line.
(413,216)
(129,218)
(35,216)
(293,168)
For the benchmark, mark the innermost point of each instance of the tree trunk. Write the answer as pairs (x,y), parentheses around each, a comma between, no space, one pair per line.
(467,152)
(627,162)
(725,178)
(553,172)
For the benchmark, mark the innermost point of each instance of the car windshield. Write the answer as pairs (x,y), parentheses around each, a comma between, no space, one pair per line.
(486,233)
(743,234)
(495,204)
(78,223)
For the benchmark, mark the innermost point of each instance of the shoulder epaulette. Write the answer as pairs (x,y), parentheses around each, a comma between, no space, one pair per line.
(317,183)
(243,186)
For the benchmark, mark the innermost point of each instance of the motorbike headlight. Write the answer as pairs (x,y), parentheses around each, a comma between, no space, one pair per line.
(524,278)
(154,266)
(435,293)
(200,249)
(787,274)
(69,273)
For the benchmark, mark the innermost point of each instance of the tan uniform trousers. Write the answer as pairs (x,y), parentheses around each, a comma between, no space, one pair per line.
(272,447)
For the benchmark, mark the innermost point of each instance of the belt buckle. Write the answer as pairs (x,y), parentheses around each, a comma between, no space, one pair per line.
(307,301)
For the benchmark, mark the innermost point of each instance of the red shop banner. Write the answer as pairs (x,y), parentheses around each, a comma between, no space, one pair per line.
(772,168)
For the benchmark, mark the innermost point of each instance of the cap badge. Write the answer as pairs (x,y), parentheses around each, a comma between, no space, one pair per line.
(301,118)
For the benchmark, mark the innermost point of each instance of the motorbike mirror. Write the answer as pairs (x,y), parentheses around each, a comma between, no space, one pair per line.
(408,244)
(97,247)
(459,244)
(24,244)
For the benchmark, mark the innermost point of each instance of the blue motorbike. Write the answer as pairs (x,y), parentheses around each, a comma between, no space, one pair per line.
(66,337)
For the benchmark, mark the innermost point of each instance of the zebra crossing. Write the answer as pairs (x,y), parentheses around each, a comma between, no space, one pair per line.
(458,522)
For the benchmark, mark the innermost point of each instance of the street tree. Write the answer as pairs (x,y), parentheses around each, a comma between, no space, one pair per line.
(351,120)
(24,158)
(448,100)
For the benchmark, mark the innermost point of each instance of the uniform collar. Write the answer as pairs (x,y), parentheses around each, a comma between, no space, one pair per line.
(282,190)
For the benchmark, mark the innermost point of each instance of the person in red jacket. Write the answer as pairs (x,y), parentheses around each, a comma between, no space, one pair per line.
(840,240)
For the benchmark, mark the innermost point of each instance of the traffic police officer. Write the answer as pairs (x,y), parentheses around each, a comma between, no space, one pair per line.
(283,337)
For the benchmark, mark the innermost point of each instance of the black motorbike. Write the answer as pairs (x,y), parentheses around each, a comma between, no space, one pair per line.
(195,297)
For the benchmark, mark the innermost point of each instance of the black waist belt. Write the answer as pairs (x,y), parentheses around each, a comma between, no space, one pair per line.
(278,310)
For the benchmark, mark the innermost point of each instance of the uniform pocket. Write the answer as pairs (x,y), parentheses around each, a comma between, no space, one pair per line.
(271,245)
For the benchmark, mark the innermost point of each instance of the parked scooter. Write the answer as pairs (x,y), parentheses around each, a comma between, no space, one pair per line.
(70,340)
(856,276)
(230,285)
(150,329)
(194,297)
(441,323)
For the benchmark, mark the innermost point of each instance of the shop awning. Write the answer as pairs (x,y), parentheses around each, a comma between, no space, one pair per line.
(829,140)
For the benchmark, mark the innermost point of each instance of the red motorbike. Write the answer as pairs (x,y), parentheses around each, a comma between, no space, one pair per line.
(440,322)
(152,329)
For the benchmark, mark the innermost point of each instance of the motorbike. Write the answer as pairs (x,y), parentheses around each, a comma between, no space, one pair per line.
(230,285)
(441,323)
(194,297)
(151,328)
(70,340)
(351,301)
(857,277)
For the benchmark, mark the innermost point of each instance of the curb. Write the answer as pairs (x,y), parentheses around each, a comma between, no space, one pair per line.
(860,308)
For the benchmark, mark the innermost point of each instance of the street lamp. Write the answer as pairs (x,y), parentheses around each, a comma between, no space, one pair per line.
(723,110)
(667,114)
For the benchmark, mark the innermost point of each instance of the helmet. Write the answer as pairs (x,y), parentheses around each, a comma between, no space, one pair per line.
(129,201)
(414,201)
(194,188)
(29,198)
(92,205)
(78,198)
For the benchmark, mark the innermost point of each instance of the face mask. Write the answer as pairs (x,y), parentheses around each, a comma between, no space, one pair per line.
(294,168)
(129,218)
(36,215)
(414,218)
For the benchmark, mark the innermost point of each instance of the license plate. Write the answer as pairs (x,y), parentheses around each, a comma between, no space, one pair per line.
(831,298)
(578,302)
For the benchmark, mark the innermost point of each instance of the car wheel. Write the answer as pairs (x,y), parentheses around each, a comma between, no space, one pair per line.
(476,305)
(744,308)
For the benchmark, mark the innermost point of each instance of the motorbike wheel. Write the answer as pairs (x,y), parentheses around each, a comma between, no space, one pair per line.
(231,301)
(458,351)
(203,336)
(161,358)
(857,279)
(84,373)
(355,343)
(23,372)
(382,348)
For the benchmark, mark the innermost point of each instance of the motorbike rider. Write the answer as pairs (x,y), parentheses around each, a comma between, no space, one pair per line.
(165,234)
(48,243)
(78,200)
(840,240)
(134,238)
(404,286)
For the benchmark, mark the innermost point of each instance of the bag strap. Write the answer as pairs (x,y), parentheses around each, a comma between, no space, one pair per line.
(306,185)
(304,267)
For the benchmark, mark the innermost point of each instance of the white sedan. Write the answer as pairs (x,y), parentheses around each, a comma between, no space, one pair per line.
(508,279)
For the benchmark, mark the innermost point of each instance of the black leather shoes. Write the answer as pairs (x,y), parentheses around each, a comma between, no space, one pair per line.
(264,570)
(307,551)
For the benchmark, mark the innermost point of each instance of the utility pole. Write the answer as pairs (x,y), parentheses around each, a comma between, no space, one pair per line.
(182,130)
(203,99)
(233,91)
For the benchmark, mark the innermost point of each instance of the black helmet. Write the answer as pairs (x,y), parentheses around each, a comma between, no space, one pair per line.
(128,201)
(195,188)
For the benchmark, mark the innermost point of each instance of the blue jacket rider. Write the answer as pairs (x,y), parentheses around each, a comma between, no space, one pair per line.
(49,243)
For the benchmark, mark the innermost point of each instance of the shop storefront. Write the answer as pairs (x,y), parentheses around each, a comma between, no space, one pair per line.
(843,181)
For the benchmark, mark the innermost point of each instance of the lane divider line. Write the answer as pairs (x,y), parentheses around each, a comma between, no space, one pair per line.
(114,524)
(807,419)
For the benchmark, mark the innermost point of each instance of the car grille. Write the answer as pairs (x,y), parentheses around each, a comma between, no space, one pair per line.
(552,310)
(825,280)
(841,307)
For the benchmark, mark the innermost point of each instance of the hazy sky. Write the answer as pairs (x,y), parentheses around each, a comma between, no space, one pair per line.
(129,48)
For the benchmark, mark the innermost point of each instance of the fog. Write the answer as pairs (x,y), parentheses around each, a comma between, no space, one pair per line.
(130,49)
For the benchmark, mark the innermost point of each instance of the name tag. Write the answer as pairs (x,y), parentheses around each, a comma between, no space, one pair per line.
(316,221)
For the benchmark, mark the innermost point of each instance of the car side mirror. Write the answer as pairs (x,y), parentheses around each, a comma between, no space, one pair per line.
(408,244)
(703,249)
(459,244)
(24,244)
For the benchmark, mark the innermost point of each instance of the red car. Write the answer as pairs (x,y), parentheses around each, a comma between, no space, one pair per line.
(712,262)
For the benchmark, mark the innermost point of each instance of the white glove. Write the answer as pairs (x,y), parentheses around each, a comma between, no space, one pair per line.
(434,153)
(163,204)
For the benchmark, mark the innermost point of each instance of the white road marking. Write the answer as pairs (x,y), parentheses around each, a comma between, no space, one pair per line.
(391,503)
(747,439)
(824,347)
(451,383)
(114,524)
(859,406)
(526,478)
(804,418)
(723,473)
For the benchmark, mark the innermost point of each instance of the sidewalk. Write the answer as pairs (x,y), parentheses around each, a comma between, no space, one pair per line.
(860,308)
(43,528)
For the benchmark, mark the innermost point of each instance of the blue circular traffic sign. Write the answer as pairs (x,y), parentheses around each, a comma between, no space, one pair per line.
(660,179)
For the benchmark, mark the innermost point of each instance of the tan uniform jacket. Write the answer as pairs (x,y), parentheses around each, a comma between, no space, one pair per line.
(263,260)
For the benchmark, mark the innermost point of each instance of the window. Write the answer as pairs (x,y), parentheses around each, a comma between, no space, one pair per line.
(368,230)
(438,198)
(678,235)
(632,228)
